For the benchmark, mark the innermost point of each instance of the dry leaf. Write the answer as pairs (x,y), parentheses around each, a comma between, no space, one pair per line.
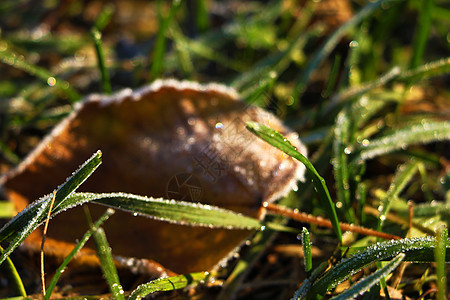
(152,140)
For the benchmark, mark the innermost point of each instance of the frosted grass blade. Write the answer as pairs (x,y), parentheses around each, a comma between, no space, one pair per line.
(401,179)
(16,230)
(418,133)
(179,212)
(275,139)
(415,249)
(168,284)
(343,137)
(75,250)
(107,264)
(365,284)
(306,244)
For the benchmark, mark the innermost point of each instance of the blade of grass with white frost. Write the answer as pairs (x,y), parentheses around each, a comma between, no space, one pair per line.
(179,212)
(343,137)
(402,177)
(16,230)
(168,210)
(365,284)
(431,69)
(168,284)
(75,250)
(306,245)
(419,133)
(275,139)
(107,264)
(415,249)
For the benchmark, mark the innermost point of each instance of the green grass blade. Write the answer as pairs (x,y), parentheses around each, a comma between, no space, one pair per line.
(343,137)
(31,217)
(202,16)
(415,249)
(359,90)
(10,57)
(331,43)
(100,23)
(107,264)
(202,49)
(306,244)
(179,212)
(429,210)
(157,59)
(104,17)
(168,284)
(14,275)
(401,179)
(275,139)
(75,250)
(97,37)
(422,32)
(419,133)
(365,284)
(431,69)
(168,210)
(439,254)
(334,72)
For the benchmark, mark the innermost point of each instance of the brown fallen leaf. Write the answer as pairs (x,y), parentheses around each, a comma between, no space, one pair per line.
(171,139)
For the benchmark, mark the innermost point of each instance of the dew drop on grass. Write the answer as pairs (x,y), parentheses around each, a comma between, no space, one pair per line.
(347,150)
(365,142)
(219,125)
(353,44)
(51,81)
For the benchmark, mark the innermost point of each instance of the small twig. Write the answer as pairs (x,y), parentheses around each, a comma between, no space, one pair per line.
(43,242)
(433,290)
(306,218)
(397,278)
(410,217)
